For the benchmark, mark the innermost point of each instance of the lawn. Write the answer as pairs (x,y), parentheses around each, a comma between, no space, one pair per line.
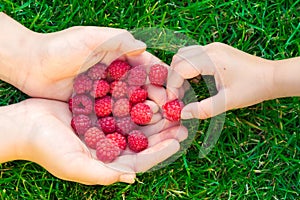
(258,153)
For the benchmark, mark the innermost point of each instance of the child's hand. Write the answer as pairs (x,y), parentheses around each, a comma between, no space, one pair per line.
(241,79)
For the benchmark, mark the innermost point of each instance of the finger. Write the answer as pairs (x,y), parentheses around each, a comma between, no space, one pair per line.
(155,118)
(156,154)
(154,107)
(179,133)
(157,94)
(148,158)
(144,58)
(192,61)
(158,127)
(86,170)
(206,108)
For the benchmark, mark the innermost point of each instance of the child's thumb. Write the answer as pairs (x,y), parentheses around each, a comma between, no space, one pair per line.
(206,108)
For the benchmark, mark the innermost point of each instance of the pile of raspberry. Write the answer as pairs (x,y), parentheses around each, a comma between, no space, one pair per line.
(109,105)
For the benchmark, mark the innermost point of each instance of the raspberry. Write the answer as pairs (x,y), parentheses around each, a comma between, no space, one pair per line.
(81,123)
(158,74)
(137,141)
(121,108)
(82,84)
(81,104)
(172,110)
(141,113)
(125,125)
(137,76)
(92,136)
(118,89)
(119,139)
(103,106)
(70,103)
(98,71)
(107,150)
(107,124)
(118,69)
(100,88)
(137,95)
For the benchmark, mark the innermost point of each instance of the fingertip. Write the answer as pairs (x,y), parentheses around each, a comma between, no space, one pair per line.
(127,178)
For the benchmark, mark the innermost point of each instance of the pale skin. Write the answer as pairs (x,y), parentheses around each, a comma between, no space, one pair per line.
(241,79)
(44,66)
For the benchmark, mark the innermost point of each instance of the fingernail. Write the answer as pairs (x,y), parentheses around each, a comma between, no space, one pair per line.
(186,115)
(127,178)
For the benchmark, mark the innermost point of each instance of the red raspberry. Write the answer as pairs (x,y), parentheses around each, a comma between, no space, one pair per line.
(119,139)
(137,95)
(92,136)
(103,106)
(98,71)
(82,84)
(107,150)
(158,74)
(118,69)
(100,88)
(172,110)
(121,108)
(70,103)
(137,141)
(81,104)
(80,124)
(107,124)
(141,113)
(137,76)
(124,125)
(118,89)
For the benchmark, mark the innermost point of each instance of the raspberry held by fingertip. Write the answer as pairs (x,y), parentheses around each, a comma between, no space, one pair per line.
(172,110)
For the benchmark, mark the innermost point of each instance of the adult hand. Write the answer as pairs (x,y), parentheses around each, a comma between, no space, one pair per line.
(48,139)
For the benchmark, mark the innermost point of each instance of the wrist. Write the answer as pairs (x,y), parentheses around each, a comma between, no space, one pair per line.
(286,81)
(12,134)
(18,51)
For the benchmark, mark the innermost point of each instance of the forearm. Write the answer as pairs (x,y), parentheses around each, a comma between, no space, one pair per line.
(287,78)
(16,49)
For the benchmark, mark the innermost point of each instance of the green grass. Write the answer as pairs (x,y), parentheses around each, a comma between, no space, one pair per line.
(258,153)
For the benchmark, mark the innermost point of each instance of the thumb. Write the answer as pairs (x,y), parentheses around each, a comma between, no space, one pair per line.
(206,108)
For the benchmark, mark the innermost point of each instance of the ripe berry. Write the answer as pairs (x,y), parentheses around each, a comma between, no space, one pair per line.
(92,136)
(158,74)
(80,124)
(141,113)
(118,89)
(107,124)
(137,95)
(172,110)
(119,139)
(121,108)
(107,150)
(124,125)
(118,69)
(81,104)
(103,106)
(82,84)
(100,88)
(137,76)
(137,141)
(98,71)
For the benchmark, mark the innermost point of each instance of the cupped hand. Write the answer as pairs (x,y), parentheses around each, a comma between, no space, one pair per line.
(241,79)
(51,142)
(60,56)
